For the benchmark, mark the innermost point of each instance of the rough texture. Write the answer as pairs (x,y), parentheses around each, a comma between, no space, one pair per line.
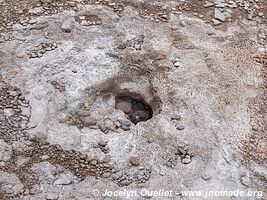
(200,66)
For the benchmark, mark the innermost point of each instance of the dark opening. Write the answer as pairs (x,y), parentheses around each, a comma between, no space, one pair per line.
(135,107)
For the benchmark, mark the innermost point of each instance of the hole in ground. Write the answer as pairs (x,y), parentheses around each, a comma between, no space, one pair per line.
(134,107)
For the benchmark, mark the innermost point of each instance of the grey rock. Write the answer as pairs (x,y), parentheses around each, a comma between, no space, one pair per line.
(5,151)
(102,143)
(219,15)
(177,64)
(114,176)
(150,140)
(125,128)
(64,179)
(26,111)
(13,93)
(8,112)
(106,175)
(51,196)
(88,121)
(208,4)
(45,157)
(180,127)
(31,125)
(176,117)
(125,122)
(83,113)
(216,22)
(124,106)
(125,182)
(47,1)
(36,10)
(206,176)
(93,162)
(245,181)
(186,159)
(66,26)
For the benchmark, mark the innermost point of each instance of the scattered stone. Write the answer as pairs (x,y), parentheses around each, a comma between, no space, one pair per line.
(125,122)
(181,151)
(106,175)
(22,160)
(31,125)
(125,182)
(63,179)
(52,196)
(93,162)
(36,10)
(5,151)
(192,152)
(182,23)
(134,161)
(125,128)
(66,26)
(245,180)
(219,15)
(107,158)
(216,22)
(120,130)
(83,113)
(250,16)
(150,140)
(114,176)
(8,112)
(206,176)
(176,117)
(186,159)
(105,149)
(162,173)
(102,143)
(45,157)
(117,123)
(180,127)
(177,64)
(208,4)
(47,1)
(26,111)
(126,107)
(88,121)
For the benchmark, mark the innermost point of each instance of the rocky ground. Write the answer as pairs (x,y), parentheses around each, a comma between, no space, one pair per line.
(128,95)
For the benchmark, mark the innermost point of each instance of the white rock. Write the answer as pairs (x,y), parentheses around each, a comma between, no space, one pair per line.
(26,111)
(208,4)
(177,64)
(5,151)
(10,183)
(22,160)
(245,180)
(186,159)
(219,15)
(216,22)
(8,112)
(64,179)
(52,196)
(18,27)
(66,26)
(36,10)
(47,1)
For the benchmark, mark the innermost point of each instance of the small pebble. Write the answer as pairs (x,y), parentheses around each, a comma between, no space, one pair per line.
(186,159)
(180,127)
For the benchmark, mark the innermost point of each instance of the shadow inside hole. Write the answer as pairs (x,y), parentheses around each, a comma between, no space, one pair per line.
(136,108)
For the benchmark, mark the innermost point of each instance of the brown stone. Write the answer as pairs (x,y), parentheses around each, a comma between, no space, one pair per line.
(124,106)
(88,121)
(134,161)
